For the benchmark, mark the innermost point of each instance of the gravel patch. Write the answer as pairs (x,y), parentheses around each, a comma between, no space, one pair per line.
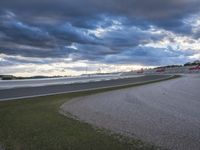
(166,113)
(1,148)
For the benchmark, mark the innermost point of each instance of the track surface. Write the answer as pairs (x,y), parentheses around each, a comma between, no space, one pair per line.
(166,113)
(14,93)
(8,84)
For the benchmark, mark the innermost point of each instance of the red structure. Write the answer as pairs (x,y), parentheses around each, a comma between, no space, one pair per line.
(195,68)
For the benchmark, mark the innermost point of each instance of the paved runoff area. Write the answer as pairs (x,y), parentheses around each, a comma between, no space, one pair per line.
(165,114)
(24,92)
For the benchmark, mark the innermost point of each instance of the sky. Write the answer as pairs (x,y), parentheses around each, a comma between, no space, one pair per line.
(73,37)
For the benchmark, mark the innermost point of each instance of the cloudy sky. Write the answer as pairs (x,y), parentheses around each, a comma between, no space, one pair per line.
(68,37)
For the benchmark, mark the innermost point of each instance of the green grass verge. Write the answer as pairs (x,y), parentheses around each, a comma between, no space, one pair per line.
(35,124)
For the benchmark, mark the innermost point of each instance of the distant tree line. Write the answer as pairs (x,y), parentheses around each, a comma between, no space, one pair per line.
(197,62)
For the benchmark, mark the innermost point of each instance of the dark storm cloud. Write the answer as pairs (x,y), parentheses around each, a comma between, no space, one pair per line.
(18,38)
(49,28)
(150,56)
(53,41)
(18,32)
(68,33)
(129,37)
(78,11)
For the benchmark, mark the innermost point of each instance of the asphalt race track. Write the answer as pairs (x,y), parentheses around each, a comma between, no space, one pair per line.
(22,92)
